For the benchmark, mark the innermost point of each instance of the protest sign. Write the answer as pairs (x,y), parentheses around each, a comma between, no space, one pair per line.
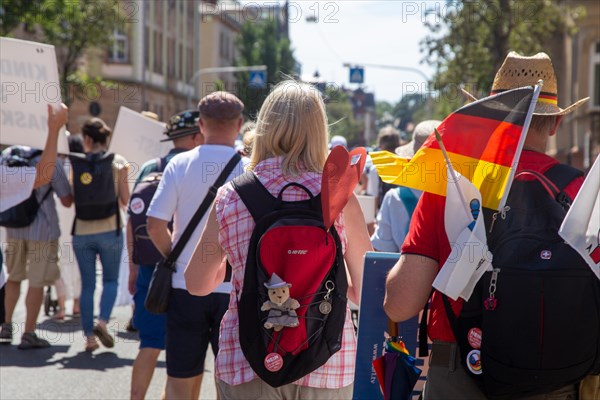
(28,82)
(137,138)
(367,205)
(373,325)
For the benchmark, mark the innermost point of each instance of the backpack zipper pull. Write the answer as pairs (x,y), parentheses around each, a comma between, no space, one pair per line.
(325,306)
(502,214)
(491,302)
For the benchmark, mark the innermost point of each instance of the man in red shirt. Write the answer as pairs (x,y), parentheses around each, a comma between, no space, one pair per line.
(426,246)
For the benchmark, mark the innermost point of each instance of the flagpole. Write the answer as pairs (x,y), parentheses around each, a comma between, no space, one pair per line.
(438,138)
(513,168)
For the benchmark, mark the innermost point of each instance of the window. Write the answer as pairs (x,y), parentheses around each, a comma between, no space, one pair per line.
(119,50)
(158,56)
(595,76)
(171,58)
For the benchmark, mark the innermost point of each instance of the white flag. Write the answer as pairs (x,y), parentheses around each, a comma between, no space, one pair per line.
(581,226)
(465,229)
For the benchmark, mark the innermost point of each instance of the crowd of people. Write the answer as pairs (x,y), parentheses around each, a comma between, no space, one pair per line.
(288,143)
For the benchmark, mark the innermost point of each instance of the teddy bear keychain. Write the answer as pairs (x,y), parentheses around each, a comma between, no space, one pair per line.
(280,305)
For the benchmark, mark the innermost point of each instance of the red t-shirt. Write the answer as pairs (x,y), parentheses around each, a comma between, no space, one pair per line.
(427,237)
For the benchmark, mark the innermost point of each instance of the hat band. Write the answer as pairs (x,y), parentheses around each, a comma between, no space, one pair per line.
(547,98)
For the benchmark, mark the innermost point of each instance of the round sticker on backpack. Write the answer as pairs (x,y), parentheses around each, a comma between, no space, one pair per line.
(273,362)
(474,362)
(85,178)
(137,205)
(474,338)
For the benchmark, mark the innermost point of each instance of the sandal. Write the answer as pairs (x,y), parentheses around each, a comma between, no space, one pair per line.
(105,338)
(91,345)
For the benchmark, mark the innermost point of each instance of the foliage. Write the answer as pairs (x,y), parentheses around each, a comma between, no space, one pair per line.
(258,44)
(341,117)
(15,12)
(469,40)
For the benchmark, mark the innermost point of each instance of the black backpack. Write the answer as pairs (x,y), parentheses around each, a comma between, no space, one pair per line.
(94,186)
(24,213)
(144,251)
(533,324)
(290,240)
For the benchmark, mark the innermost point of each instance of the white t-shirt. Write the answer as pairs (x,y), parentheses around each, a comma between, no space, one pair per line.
(184,185)
(16,184)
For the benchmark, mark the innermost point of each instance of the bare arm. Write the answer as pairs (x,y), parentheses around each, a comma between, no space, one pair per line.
(123,187)
(134,269)
(67,200)
(45,168)
(206,269)
(158,230)
(408,286)
(358,244)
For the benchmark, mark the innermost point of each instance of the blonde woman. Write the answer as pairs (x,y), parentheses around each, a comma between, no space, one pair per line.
(290,145)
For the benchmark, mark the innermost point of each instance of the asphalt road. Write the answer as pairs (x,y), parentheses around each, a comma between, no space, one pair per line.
(66,371)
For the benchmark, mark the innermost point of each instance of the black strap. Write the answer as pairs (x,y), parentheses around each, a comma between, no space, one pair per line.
(257,199)
(423,345)
(45,196)
(161,164)
(206,203)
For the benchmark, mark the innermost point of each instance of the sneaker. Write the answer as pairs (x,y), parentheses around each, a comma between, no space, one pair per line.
(30,340)
(104,336)
(6,333)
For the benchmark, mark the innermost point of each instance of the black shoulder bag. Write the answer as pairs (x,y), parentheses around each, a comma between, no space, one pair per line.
(157,299)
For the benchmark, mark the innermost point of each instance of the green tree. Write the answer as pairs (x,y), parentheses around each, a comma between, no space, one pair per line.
(257,44)
(72,26)
(340,116)
(469,40)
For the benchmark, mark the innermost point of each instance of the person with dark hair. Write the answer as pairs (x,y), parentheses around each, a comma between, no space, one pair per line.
(193,322)
(32,251)
(184,132)
(101,191)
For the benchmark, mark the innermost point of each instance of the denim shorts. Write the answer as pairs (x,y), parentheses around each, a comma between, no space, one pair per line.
(192,323)
(152,328)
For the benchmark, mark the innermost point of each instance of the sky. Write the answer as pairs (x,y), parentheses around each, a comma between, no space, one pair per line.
(362,32)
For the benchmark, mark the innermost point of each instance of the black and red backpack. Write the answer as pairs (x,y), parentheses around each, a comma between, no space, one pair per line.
(532,325)
(290,240)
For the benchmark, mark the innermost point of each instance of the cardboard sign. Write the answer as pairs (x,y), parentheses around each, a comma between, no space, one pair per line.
(28,83)
(373,325)
(138,139)
(367,205)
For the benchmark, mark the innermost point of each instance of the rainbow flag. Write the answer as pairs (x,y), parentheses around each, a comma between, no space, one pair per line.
(483,140)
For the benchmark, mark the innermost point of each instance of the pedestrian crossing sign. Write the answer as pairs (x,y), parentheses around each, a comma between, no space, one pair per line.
(357,75)
(257,79)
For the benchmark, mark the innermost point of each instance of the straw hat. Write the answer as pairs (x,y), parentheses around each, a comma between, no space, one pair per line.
(420,135)
(519,71)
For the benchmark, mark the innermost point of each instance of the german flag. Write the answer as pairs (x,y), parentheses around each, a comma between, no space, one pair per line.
(483,141)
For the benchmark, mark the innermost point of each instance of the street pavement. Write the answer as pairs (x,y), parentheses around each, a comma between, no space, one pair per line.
(66,371)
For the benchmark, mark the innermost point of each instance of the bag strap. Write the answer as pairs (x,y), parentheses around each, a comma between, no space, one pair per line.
(409,199)
(161,164)
(206,203)
(45,195)
(555,180)
(257,199)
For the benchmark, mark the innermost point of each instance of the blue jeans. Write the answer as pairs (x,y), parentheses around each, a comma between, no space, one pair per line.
(109,247)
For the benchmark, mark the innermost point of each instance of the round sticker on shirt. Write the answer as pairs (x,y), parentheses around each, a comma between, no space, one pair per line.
(137,205)
(273,362)
(474,338)
(85,178)
(474,362)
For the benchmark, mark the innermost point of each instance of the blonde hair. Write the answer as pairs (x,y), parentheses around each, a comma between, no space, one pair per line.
(292,123)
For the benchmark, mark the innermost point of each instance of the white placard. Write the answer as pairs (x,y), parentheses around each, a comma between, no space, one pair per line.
(367,205)
(28,83)
(137,138)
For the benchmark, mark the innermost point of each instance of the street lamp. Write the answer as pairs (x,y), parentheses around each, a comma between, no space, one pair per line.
(203,71)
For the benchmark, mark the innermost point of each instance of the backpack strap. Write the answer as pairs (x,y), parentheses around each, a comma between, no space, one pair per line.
(206,203)
(409,199)
(255,196)
(161,164)
(555,180)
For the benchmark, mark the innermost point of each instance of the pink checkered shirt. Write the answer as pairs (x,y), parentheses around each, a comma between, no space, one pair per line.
(236,225)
